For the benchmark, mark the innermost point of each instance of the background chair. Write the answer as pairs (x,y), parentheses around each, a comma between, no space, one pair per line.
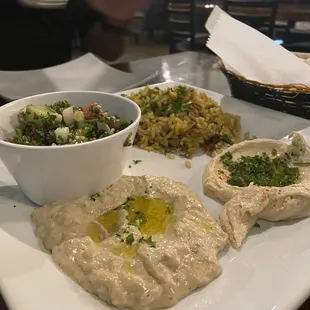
(156,20)
(260,15)
(186,26)
(298,38)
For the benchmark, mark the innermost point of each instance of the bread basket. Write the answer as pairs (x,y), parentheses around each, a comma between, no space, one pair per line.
(292,99)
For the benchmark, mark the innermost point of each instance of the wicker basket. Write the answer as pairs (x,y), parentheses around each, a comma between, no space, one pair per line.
(291,99)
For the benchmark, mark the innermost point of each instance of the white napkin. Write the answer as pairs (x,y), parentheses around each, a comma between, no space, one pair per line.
(87,72)
(248,52)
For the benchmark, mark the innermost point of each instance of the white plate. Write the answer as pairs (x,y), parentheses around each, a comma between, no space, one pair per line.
(269,272)
(84,73)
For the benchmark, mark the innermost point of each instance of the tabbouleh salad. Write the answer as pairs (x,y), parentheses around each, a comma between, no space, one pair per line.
(63,123)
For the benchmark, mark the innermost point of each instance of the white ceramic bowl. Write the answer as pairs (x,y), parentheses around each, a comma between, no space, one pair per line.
(51,173)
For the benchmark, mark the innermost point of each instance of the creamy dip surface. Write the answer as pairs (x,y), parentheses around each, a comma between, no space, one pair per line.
(243,206)
(144,243)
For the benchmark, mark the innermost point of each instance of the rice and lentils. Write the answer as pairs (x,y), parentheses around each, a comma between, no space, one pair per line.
(180,119)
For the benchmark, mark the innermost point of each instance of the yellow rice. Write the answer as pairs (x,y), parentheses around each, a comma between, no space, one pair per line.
(182,120)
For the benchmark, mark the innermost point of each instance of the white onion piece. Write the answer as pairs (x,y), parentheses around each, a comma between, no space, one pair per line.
(62,134)
(68,116)
(104,126)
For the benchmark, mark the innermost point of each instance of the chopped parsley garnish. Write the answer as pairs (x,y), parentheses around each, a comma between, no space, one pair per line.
(148,241)
(126,204)
(178,104)
(138,220)
(95,196)
(256,225)
(60,106)
(274,152)
(130,239)
(226,139)
(118,235)
(248,137)
(260,170)
(137,161)
(169,209)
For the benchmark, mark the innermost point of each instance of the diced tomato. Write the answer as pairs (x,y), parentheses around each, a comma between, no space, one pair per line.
(10,140)
(90,114)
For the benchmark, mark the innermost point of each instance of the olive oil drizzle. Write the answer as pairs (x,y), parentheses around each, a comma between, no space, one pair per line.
(150,216)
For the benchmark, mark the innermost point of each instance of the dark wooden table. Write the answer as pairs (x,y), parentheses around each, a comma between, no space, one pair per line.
(290,12)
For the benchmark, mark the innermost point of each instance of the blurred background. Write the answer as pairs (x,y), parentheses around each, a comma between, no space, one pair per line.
(164,27)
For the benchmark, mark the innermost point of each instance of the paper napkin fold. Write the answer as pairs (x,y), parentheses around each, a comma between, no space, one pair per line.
(251,54)
(87,72)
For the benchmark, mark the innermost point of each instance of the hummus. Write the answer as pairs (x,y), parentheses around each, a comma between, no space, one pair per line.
(243,206)
(144,243)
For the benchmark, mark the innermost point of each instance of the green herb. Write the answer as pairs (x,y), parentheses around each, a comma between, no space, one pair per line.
(95,196)
(95,109)
(118,235)
(128,140)
(178,105)
(246,136)
(60,139)
(130,239)
(226,159)
(260,170)
(137,161)
(138,220)
(37,125)
(60,106)
(126,205)
(123,124)
(256,225)
(169,209)
(148,241)
(226,139)
(129,166)
(274,152)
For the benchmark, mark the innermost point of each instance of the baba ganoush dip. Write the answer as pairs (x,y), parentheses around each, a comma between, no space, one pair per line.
(260,179)
(144,243)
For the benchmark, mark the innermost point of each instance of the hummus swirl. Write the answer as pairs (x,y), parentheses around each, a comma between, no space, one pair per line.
(243,206)
(136,275)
